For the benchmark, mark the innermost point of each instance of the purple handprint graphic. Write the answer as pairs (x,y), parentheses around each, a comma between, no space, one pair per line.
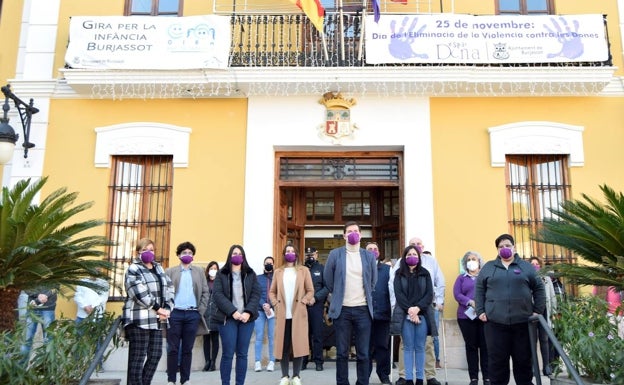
(401,41)
(571,44)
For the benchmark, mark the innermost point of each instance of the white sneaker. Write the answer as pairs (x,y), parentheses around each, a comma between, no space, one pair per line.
(187,383)
(170,383)
(271,366)
(295,381)
(258,366)
(284,381)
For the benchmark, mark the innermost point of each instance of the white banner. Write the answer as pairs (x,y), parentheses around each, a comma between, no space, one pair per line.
(454,38)
(148,42)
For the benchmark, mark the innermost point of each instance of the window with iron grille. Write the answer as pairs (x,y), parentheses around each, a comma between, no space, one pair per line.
(140,196)
(525,7)
(153,8)
(536,183)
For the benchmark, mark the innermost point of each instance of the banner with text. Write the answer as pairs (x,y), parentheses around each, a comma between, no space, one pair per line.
(148,42)
(453,38)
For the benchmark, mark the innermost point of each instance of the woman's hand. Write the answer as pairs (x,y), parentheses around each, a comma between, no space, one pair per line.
(163,313)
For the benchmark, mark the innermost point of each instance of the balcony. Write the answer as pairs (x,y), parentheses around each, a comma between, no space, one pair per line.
(284,55)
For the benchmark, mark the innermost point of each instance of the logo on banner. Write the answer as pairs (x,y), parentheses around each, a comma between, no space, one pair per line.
(337,127)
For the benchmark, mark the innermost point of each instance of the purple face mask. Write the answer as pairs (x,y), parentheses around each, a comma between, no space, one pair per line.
(411,260)
(536,267)
(353,238)
(375,253)
(237,260)
(290,257)
(147,256)
(505,253)
(186,259)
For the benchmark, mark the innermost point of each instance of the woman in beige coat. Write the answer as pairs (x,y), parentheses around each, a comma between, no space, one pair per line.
(290,294)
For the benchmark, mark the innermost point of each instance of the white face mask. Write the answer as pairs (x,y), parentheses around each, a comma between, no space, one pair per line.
(212,273)
(472,265)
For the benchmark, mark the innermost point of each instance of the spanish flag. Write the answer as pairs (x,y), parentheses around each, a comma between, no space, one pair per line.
(314,10)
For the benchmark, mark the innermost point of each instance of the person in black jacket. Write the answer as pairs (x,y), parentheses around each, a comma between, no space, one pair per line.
(413,312)
(234,308)
(315,310)
(507,293)
(380,331)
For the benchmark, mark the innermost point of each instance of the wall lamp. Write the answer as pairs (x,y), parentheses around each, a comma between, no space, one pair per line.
(8,137)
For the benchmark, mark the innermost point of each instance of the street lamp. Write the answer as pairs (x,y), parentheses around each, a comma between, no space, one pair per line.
(8,137)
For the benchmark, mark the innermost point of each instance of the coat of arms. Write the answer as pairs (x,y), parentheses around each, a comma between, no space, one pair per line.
(338,124)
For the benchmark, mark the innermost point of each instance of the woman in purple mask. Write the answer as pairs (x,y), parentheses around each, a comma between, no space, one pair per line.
(236,293)
(508,291)
(146,311)
(290,293)
(413,316)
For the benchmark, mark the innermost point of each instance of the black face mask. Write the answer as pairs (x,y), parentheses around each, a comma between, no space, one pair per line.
(268,267)
(310,261)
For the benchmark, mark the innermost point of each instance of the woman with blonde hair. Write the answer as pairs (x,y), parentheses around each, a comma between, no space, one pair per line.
(146,312)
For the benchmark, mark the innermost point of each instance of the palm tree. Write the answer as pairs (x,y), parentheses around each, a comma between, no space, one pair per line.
(594,231)
(43,244)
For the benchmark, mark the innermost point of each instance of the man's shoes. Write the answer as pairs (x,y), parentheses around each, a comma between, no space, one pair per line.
(386,381)
(271,366)
(475,382)
(400,381)
(487,382)
(319,367)
(433,381)
(438,366)
(258,366)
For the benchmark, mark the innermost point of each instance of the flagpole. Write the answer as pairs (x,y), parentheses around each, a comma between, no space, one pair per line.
(361,42)
(342,37)
(324,44)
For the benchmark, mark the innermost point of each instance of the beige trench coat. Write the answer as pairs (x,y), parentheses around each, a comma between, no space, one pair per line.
(304,292)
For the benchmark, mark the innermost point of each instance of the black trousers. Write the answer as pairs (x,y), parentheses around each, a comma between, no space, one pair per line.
(503,342)
(315,330)
(380,348)
(476,348)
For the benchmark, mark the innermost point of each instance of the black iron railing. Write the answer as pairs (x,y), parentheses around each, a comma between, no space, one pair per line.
(290,40)
(533,325)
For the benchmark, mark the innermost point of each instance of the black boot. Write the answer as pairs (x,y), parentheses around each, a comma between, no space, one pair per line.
(213,365)
(419,382)
(207,366)
(409,382)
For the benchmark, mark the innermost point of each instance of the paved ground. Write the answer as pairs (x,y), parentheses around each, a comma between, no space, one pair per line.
(308,377)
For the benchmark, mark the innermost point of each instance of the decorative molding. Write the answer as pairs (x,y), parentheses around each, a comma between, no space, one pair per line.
(535,138)
(142,138)
(286,81)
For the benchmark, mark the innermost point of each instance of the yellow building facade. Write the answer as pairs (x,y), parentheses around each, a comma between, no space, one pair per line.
(254,158)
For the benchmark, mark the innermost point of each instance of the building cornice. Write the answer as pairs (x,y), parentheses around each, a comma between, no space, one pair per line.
(407,81)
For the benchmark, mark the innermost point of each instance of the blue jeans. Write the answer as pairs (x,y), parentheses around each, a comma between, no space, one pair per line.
(33,318)
(353,320)
(436,340)
(414,338)
(259,330)
(235,338)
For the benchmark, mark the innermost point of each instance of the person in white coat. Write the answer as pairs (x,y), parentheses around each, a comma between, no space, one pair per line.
(89,300)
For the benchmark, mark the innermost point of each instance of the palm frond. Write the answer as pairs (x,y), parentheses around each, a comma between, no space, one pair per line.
(594,231)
